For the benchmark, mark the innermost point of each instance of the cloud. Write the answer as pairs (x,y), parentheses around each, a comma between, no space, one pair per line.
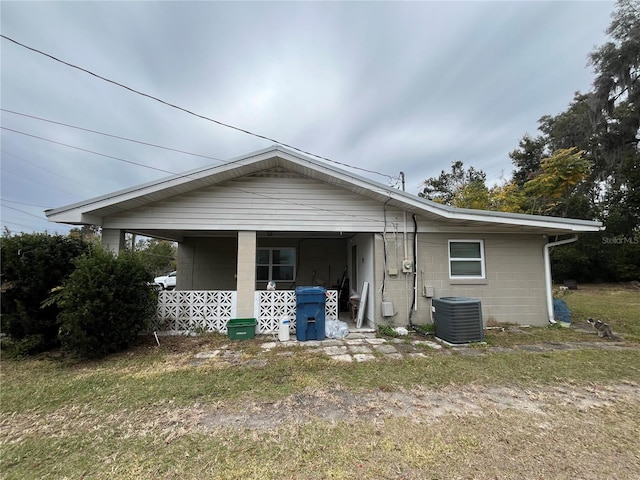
(386,86)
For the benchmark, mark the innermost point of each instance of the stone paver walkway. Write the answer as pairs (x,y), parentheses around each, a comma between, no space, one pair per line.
(358,347)
(364,347)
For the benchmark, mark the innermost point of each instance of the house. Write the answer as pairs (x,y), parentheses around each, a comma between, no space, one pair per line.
(277,215)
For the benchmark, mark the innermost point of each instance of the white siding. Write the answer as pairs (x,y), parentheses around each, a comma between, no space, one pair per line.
(261,203)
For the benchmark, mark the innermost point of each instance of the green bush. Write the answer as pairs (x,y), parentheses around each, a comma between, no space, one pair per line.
(387,331)
(426,328)
(32,265)
(106,302)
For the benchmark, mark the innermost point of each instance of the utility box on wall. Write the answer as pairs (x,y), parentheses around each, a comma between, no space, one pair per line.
(428,291)
(387,309)
(458,319)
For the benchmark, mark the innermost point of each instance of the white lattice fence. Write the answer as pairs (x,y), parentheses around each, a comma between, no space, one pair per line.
(271,306)
(331,309)
(186,311)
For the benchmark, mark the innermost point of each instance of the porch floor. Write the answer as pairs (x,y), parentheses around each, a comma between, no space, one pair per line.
(346,317)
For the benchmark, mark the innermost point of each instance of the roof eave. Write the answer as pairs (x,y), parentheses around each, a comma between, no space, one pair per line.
(84,212)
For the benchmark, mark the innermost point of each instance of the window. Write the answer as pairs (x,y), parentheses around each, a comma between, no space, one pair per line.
(466,259)
(275,264)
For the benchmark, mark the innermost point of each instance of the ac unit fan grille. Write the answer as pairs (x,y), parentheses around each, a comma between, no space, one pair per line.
(458,319)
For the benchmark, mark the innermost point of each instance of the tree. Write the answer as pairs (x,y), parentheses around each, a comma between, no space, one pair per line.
(617,62)
(88,233)
(507,197)
(617,105)
(585,163)
(526,159)
(573,128)
(159,256)
(32,265)
(552,189)
(460,187)
(472,195)
(615,179)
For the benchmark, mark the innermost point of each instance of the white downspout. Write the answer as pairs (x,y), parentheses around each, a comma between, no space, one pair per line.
(415,265)
(406,248)
(547,274)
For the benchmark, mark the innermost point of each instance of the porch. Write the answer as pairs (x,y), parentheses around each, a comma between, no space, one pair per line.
(184,312)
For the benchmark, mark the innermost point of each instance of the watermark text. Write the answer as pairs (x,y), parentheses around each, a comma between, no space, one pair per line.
(620,240)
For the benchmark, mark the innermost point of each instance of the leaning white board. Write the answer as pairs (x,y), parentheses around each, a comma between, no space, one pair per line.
(363,304)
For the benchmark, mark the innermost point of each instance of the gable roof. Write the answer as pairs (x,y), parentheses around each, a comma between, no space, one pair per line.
(93,210)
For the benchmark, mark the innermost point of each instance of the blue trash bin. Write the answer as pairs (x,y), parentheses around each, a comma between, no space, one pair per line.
(310,308)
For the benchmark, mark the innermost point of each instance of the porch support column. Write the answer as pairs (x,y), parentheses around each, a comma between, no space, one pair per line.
(113,240)
(246,274)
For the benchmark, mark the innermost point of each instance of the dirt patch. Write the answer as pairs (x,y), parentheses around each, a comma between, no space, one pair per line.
(419,404)
(176,343)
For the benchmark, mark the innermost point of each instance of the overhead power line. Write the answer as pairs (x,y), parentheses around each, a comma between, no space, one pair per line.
(111,135)
(23,203)
(86,150)
(22,211)
(154,145)
(33,229)
(167,171)
(24,160)
(203,117)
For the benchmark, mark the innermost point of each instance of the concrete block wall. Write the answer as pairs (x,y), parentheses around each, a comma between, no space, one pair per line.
(113,240)
(513,291)
(207,263)
(246,285)
(397,288)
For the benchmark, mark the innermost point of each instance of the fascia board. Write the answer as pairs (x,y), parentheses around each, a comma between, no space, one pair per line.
(448,212)
(80,212)
(74,217)
(193,176)
(503,218)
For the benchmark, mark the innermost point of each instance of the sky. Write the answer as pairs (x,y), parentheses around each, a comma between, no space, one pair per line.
(380,86)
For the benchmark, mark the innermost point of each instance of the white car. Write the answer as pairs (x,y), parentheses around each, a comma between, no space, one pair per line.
(167,282)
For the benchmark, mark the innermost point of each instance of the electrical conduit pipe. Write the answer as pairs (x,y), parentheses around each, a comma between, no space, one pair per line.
(547,274)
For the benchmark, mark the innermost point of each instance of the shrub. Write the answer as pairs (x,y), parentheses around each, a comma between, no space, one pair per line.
(32,265)
(426,328)
(105,303)
(387,331)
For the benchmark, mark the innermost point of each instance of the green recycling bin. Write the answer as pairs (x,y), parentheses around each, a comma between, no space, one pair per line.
(241,328)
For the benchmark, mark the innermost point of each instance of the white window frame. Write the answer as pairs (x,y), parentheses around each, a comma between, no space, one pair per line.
(483,273)
(271,264)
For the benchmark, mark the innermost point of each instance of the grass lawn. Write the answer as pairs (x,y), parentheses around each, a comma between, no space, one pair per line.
(617,305)
(160,413)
